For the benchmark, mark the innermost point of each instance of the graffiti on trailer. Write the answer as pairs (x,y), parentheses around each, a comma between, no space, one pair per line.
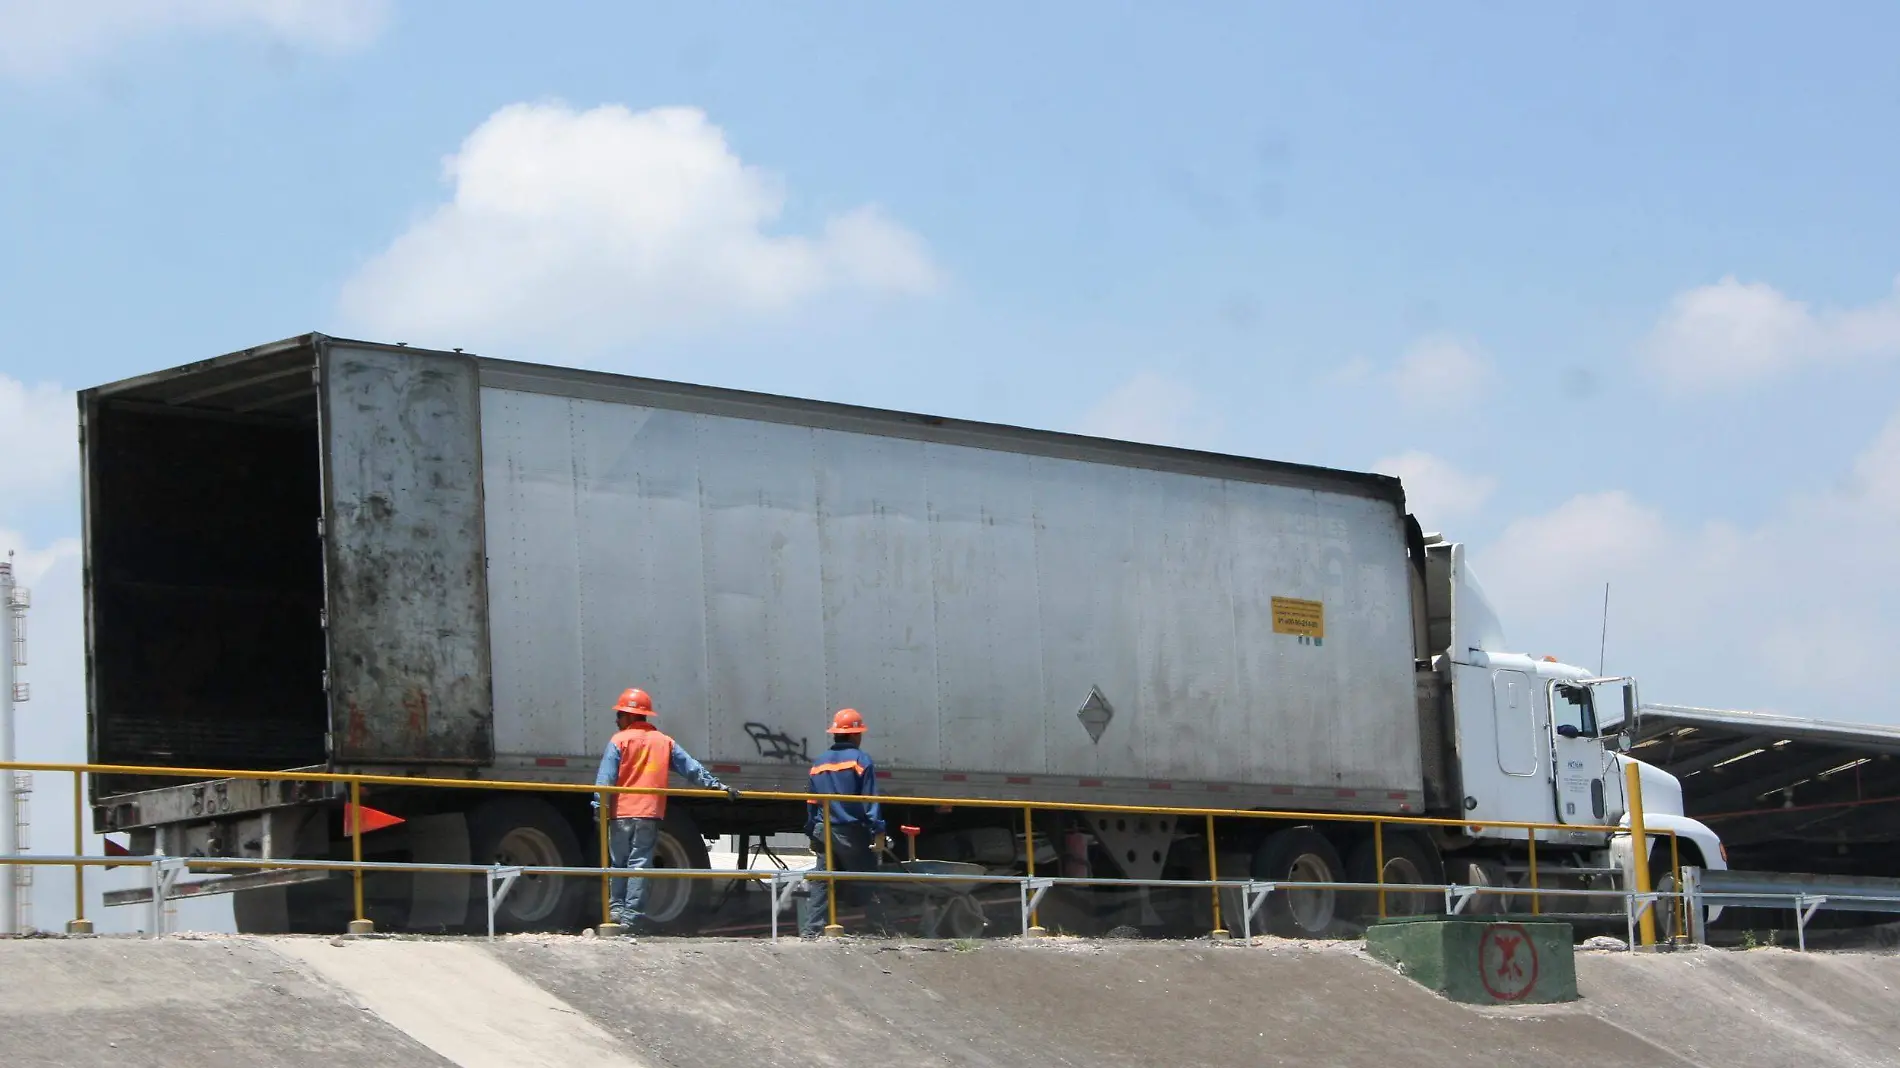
(777,745)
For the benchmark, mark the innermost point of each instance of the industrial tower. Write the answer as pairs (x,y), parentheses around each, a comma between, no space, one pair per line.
(15,882)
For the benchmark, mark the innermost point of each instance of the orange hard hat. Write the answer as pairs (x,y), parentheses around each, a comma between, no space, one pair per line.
(634,703)
(846,721)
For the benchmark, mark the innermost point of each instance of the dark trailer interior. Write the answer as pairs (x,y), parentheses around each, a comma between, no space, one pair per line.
(204,568)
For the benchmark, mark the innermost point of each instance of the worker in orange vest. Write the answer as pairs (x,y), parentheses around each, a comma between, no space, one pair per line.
(640,755)
(856,826)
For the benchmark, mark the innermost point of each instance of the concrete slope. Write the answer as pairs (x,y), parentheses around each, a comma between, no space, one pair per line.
(214,1003)
(1089,1005)
(528,1001)
(1766,1007)
(461,1002)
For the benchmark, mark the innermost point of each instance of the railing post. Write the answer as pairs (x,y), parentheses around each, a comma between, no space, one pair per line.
(1681,911)
(1639,843)
(361,925)
(1692,901)
(605,817)
(1213,876)
(156,876)
(832,929)
(1378,861)
(1537,899)
(79,924)
(488,879)
(1035,929)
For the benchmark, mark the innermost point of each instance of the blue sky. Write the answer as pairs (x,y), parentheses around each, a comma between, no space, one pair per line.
(1614,290)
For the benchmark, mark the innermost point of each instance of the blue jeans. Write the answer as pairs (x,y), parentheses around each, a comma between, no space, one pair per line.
(630,845)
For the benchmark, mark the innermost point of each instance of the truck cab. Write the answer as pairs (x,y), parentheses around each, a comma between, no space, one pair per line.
(1534,739)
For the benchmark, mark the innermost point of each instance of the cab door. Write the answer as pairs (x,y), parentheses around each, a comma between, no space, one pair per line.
(1578,758)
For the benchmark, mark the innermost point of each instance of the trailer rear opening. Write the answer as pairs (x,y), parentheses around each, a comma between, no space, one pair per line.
(206,573)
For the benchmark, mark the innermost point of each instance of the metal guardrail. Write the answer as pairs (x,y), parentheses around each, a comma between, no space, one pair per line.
(1804,894)
(163,871)
(1033,887)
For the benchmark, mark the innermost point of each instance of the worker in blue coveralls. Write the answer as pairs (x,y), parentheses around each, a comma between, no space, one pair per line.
(856,826)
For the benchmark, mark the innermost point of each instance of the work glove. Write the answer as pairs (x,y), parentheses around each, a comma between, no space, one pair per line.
(732,793)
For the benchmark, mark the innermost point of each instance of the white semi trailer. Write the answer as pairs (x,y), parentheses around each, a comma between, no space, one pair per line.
(338,555)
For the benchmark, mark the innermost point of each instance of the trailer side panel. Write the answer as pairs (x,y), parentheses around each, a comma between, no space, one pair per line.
(755,573)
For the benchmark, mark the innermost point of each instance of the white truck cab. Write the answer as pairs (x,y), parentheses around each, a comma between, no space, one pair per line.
(1542,741)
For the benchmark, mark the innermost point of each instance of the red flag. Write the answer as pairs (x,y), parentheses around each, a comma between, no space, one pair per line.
(368,818)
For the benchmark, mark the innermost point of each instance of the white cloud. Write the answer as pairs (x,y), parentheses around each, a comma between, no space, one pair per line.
(593,228)
(1435,490)
(1154,409)
(1733,332)
(1794,613)
(1440,372)
(45,37)
(39,441)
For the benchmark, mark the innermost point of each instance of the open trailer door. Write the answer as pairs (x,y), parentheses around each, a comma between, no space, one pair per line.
(405,584)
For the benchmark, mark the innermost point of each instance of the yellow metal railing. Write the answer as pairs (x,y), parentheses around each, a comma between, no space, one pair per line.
(357,866)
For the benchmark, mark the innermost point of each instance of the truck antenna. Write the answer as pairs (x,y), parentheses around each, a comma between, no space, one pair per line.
(1603,642)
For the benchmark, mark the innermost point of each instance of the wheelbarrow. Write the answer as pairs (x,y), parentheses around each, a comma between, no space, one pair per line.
(945,908)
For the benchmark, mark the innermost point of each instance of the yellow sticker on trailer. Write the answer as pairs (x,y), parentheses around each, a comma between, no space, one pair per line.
(1292,615)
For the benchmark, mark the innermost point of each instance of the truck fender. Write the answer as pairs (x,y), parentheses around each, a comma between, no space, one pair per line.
(1707,842)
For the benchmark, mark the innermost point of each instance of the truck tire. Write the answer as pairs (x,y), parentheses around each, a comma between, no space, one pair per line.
(1483,871)
(525,831)
(1408,861)
(1662,879)
(678,906)
(1298,855)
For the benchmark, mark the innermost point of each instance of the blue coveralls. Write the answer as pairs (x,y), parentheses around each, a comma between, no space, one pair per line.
(847,771)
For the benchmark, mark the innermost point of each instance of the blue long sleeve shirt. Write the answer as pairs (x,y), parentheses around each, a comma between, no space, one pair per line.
(846,770)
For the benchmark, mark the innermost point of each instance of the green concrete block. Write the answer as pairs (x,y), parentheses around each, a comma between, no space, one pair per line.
(1481,960)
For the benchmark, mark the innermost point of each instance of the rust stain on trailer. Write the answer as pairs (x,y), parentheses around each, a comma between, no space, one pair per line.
(358,731)
(416,703)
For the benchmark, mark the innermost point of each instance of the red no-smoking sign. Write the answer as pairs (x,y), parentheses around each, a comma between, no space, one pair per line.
(1507,961)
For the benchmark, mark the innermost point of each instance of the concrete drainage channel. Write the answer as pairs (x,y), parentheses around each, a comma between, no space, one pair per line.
(212,1001)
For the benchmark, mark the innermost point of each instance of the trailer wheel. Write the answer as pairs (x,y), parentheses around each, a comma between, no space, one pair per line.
(678,906)
(1408,862)
(528,832)
(1298,855)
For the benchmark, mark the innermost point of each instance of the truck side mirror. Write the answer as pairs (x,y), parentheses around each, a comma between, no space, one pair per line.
(1612,716)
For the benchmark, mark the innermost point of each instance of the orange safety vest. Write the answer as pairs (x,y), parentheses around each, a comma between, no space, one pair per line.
(646,756)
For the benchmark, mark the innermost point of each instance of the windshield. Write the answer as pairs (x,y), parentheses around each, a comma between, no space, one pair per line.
(1570,707)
